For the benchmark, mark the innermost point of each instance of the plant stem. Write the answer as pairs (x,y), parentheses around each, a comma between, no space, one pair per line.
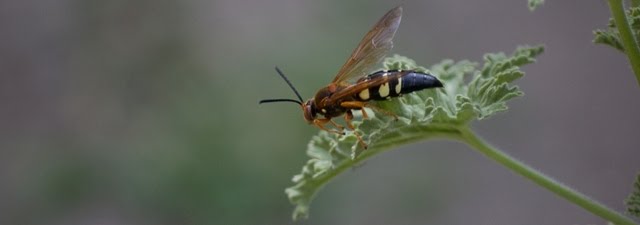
(629,41)
(470,138)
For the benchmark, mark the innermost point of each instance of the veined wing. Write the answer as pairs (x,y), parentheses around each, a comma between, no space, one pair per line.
(373,47)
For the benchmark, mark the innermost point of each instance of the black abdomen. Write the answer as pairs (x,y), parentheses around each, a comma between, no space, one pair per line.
(399,82)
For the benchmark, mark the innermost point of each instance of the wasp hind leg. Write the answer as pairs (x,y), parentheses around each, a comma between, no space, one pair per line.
(347,118)
(360,105)
(321,122)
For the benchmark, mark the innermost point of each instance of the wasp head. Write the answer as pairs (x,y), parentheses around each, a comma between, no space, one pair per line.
(309,110)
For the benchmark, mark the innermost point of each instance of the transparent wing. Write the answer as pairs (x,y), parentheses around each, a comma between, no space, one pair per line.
(373,47)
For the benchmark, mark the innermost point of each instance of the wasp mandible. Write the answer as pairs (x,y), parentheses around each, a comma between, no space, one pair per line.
(342,95)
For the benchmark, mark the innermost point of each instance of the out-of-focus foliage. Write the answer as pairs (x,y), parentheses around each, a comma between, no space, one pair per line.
(633,201)
(534,4)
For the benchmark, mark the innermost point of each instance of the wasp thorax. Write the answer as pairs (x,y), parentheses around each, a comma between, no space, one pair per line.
(309,110)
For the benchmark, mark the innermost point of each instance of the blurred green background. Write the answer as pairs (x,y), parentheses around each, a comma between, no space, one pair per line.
(145,112)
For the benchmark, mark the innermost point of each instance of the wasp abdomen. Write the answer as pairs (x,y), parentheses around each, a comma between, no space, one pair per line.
(407,82)
(416,81)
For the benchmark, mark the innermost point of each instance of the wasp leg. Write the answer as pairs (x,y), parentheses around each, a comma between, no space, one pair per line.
(347,118)
(364,113)
(361,105)
(320,124)
(340,127)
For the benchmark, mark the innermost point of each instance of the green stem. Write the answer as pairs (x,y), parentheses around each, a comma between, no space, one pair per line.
(629,41)
(470,138)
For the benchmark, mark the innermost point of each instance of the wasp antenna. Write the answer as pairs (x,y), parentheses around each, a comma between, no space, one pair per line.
(280,100)
(289,83)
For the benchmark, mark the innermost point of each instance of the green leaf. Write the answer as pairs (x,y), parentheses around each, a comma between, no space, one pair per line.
(611,35)
(533,4)
(634,18)
(608,37)
(633,201)
(427,114)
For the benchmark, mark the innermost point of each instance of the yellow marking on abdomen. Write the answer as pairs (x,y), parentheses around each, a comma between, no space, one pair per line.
(364,94)
(399,86)
(384,90)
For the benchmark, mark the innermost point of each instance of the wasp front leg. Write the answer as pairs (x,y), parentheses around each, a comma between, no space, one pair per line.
(360,105)
(321,122)
(340,127)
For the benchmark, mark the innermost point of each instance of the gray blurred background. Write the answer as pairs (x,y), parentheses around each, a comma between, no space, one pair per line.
(145,112)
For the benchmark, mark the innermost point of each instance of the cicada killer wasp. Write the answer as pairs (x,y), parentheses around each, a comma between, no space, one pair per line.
(342,95)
